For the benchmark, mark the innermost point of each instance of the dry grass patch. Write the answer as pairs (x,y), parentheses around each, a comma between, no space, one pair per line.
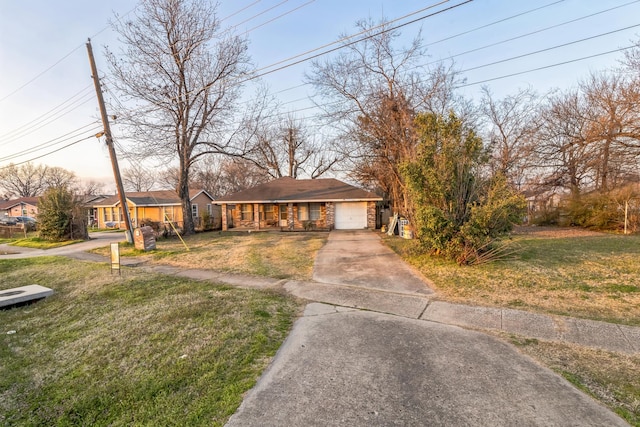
(271,254)
(612,378)
(135,349)
(592,275)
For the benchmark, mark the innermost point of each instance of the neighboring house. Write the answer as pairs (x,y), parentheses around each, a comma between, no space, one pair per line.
(89,201)
(300,204)
(162,206)
(24,206)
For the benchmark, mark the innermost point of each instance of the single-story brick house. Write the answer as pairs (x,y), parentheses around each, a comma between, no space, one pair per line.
(300,204)
(161,206)
(23,206)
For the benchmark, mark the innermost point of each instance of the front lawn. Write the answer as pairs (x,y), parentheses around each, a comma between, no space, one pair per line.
(587,275)
(279,255)
(136,349)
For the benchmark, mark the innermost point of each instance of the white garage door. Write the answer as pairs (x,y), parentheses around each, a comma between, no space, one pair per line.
(351,215)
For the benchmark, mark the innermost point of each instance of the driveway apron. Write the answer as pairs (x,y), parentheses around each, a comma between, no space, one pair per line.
(358,258)
(345,367)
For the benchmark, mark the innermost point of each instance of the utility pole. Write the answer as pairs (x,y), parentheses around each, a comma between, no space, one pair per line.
(109,140)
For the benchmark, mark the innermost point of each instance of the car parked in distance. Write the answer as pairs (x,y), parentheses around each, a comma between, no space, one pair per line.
(8,220)
(25,220)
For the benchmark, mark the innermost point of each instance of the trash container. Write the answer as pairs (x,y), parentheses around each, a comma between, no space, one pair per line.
(144,238)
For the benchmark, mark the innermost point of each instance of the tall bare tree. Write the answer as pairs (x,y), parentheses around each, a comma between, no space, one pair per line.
(512,125)
(371,92)
(182,73)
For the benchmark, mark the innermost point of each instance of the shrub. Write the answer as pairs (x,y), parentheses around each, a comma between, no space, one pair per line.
(456,212)
(61,216)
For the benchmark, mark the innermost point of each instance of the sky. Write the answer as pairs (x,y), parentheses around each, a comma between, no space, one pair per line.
(49,112)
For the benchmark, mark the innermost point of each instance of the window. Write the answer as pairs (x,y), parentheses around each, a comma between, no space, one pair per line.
(266,212)
(209,209)
(314,211)
(303,212)
(194,210)
(246,212)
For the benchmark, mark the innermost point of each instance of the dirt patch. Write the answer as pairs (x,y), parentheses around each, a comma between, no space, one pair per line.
(554,232)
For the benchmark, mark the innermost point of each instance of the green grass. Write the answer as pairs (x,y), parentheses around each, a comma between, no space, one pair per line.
(595,277)
(38,243)
(138,349)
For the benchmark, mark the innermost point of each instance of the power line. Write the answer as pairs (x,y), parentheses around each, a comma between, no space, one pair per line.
(343,39)
(55,141)
(549,48)
(49,153)
(546,67)
(43,124)
(279,16)
(414,13)
(33,125)
(536,31)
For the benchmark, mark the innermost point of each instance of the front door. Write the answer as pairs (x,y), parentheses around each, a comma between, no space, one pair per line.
(283,216)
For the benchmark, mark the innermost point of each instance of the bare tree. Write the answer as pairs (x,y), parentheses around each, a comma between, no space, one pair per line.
(284,148)
(562,148)
(371,93)
(90,188)
(183,72)
(27,180)
(513,123)
(56,177)
(137,178)
(614,126)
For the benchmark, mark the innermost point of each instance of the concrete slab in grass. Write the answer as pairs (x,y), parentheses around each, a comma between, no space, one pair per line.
(22,294)
(463,315)
(604,335)
(346,296)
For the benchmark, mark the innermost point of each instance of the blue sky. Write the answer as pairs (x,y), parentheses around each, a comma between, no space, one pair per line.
(37,34)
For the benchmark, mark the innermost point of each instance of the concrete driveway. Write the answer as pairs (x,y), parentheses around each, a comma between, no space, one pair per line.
(343,366)
(359,258)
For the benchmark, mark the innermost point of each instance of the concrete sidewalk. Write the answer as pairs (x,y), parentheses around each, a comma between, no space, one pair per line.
(589,333)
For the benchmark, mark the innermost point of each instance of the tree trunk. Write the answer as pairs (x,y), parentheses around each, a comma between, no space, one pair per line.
(188,226)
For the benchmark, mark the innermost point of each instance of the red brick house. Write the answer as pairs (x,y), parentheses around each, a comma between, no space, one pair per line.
(300,204)
(24,206)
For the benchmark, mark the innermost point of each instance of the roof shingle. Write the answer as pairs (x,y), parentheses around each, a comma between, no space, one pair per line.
(288,189)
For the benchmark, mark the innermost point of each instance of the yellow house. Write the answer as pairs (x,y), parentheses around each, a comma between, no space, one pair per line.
(163,206)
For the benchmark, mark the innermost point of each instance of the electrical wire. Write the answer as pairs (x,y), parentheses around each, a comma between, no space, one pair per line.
(87,99)
(279,16)
(49,153)
(557,64)
(55,141)
(33,124)
(549,48)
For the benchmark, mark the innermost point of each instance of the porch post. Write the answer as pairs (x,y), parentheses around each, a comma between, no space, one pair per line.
(256,216)
(290,219)
(224,217)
